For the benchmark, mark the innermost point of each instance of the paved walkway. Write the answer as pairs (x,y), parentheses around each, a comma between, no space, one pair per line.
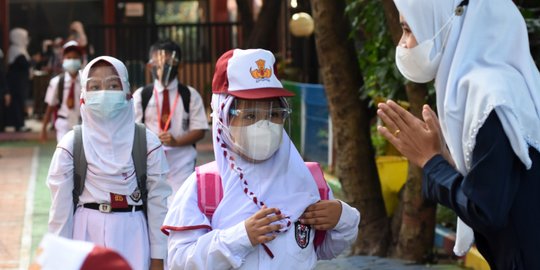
(16,180)
(24,205)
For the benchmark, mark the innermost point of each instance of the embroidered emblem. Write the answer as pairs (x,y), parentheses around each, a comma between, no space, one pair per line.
(118,201)
(136,195)
(301,234)
(261,73)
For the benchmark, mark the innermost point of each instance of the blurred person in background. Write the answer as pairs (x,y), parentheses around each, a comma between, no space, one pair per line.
(2,91)
(63,94)
(18,79)
(77,33)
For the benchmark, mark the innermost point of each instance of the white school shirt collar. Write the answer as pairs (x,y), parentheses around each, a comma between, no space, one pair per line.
(172,86)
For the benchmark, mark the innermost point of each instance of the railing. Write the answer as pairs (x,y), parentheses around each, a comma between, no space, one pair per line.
(201,44)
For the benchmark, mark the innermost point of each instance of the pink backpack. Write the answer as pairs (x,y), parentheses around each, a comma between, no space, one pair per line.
(210,191)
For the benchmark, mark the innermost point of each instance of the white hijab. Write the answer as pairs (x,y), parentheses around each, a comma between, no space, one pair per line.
(478,74)
(283,181)
(19,42)
(108,143)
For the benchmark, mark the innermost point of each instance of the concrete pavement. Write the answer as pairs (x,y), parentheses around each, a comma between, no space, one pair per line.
(24,206)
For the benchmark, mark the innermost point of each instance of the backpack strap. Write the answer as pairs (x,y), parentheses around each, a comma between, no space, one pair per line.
(324,192)
(210,190)
(146,94)
(318,175)
(139,156)
(60,89)
(79,165)
(185,94)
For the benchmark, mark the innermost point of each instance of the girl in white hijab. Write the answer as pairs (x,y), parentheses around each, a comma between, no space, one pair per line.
(19,42)
(488,101)
(270,205)
(107,135)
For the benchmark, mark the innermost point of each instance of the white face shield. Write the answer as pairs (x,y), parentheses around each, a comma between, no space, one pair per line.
(254,129)
(164,65)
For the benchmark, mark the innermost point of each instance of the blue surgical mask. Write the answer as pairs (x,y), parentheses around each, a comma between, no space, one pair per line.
(71,65)
(106,104)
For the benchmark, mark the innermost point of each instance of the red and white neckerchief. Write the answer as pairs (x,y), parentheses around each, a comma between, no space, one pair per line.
(159,111)
(232,165)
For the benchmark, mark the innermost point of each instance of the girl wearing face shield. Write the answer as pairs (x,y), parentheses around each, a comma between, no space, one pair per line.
(481,157)
(270,205)
(109,209)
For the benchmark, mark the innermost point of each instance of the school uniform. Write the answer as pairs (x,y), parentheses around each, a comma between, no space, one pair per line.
(222,246)
(278,179)
(108,143)
(66,117)
(182,158)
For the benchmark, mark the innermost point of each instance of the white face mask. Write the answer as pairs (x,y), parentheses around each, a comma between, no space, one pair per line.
(416,64)
(258,141)
(71,65)
(105,104)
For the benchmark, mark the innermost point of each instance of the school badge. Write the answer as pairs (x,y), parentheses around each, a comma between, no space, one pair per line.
(136,195)
(301,234)
(261,73)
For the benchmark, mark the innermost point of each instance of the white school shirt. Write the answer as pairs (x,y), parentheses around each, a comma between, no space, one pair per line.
(181,159)
(71,115)
(60,183)
(227,248)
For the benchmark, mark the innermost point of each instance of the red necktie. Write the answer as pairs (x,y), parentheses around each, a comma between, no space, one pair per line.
(70,102)
(165,109)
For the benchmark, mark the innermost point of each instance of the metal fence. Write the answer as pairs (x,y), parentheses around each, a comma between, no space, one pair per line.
(201,44)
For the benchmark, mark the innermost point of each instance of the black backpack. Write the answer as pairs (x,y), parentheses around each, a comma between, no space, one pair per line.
(60,90)
(147,92)
(138,154)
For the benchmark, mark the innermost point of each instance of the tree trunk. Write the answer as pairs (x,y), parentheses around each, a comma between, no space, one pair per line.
(414,240)
(245,9)
(413,224)
(355,163)
(264,30)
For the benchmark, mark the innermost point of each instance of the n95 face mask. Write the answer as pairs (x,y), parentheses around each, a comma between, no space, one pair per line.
(258,141)
(416,64)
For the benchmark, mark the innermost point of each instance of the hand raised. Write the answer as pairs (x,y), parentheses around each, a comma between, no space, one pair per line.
(323,215)
(431,119)
(259,227)
(417,140)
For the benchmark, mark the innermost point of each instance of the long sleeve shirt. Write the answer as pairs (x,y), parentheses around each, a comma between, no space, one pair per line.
(60,182)
(498,198)
(228,248)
